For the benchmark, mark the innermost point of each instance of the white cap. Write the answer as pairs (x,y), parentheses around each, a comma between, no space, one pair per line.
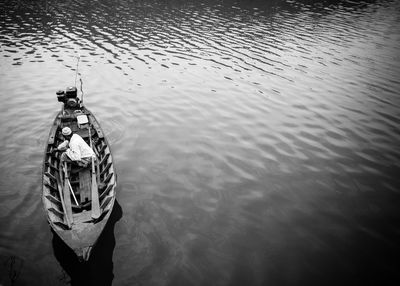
(66,131)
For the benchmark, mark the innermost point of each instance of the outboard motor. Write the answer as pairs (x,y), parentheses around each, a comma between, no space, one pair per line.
(69,97)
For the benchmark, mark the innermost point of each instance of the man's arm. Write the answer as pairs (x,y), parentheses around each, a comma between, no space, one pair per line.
(63,146)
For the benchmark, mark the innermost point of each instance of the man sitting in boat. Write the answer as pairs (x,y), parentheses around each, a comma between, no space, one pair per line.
(76,149)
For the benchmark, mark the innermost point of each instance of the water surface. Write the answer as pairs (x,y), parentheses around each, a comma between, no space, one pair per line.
(256,142)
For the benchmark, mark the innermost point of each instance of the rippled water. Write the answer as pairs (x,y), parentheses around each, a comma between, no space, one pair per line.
(256,142)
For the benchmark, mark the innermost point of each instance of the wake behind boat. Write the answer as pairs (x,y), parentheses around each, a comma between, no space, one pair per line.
(78,198)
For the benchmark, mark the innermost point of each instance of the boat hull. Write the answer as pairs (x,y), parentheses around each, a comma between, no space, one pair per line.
(69,209)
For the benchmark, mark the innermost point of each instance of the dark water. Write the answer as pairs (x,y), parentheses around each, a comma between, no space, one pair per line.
(256,142)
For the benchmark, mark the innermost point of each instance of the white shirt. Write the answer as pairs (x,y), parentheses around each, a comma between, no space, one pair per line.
(78,148)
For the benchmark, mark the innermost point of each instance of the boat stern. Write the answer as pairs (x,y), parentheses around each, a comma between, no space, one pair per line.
(83,253)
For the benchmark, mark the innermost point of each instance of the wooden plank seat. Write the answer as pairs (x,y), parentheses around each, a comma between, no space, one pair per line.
(51,176)
(105,169)
(104,159)
(83,133)
(108,178)
(53,199)
(102,148)
(61,225)
(84,216)
(56,212)
(51,186)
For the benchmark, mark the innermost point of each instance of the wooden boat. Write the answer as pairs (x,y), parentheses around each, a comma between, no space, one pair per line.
(78,200)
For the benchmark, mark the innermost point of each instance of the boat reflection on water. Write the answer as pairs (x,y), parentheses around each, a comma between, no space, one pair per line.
(99,269)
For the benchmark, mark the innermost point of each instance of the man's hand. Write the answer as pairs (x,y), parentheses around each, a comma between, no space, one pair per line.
(63,146)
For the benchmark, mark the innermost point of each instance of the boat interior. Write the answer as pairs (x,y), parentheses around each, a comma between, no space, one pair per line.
(68,194)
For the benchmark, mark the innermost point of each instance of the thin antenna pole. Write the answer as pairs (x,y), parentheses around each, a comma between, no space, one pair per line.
(80,79)
(76,71)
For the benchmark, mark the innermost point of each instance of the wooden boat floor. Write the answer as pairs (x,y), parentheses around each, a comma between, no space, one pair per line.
(85,185)
(82,217)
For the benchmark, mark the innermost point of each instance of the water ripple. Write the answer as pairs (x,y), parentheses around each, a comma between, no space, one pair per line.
(241,130)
